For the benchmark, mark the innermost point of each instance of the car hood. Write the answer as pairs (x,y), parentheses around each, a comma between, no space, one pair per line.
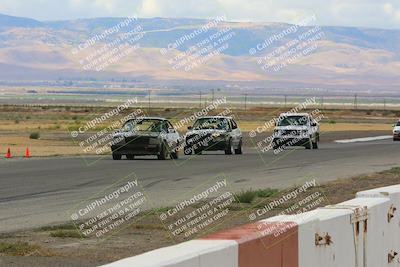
(396,128)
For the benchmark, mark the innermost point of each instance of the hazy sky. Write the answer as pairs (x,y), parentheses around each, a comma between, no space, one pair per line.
(368,13)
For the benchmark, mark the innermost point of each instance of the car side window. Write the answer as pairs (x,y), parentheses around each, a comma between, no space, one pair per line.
(226,125)
(234,125)
(164,126)
(169,125)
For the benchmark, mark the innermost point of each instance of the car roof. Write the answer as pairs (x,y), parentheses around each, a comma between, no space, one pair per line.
(215,117)
(294,114)
(149,118)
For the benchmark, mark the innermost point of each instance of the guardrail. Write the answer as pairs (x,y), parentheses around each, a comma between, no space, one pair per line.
(364,231)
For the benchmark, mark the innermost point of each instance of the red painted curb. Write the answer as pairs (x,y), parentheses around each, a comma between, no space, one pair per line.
(263,244)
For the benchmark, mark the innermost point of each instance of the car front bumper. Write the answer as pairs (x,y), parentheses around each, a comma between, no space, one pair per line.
(290,141)
(207,143)
(136,150)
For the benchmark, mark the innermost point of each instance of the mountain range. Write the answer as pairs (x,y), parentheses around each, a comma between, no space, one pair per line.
(161,49)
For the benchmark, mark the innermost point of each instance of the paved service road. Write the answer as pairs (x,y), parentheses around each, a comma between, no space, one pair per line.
(37,192)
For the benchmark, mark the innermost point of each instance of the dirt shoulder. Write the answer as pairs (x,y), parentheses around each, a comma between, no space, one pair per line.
(62,246)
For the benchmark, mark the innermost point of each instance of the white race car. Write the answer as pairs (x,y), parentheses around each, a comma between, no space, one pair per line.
(396,131)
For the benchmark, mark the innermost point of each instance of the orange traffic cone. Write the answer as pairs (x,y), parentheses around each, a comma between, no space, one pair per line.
(8,154)
(27,153)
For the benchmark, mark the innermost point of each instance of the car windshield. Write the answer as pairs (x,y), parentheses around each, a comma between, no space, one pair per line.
(293,121)
(398,123)
(211,123)
(143,125)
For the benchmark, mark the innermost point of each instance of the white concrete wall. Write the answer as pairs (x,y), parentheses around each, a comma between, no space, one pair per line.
(392,230)
(360,232)
(195,253)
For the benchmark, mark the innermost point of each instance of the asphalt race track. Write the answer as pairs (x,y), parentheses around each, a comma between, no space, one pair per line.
(42,191)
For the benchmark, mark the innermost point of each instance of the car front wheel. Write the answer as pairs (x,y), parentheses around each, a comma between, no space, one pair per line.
(315,145)
(175,155)
(238,150)
(228,149)
(116,156)
(308,144)
(163,153)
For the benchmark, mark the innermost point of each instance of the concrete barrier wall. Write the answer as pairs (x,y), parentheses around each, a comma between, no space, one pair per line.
(364,231)
(391,246)
(195,253)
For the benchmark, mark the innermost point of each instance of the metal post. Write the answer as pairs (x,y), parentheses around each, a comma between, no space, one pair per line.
(149,106)
(245,101)
(285,100)
(200,99)
(355,101)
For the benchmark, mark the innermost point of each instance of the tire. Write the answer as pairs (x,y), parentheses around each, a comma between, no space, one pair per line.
(175,155)
(238,150)
(228,150)
(315,145)
(188,151)
(308,144)
(130,157)
(163,153)
(275,144)
(116,156)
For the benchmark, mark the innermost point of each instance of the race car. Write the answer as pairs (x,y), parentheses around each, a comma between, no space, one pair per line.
(146,136)
(212,134)
(296,129)
(396,131)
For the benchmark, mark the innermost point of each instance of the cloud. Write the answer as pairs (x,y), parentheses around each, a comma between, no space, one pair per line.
(150,8)
(367,13)
(392,11)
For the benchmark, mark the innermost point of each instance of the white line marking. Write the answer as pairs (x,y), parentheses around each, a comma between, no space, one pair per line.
(364,139)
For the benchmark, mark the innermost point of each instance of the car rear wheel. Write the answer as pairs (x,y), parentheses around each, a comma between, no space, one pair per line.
(116,156)
(238,150)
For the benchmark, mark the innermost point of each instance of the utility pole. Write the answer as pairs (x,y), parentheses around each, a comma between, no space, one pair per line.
(149,106)
(245,102)
(355,101)
(322,101)
(384,104)
(285,100)
(200,100)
